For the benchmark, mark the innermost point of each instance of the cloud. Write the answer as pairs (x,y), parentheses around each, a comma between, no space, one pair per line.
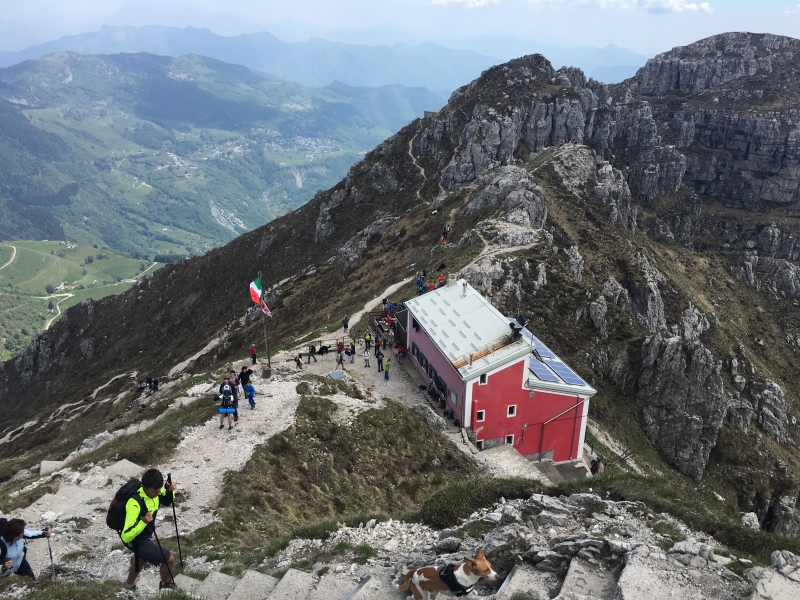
(471,3)
(668,6)
(653,6)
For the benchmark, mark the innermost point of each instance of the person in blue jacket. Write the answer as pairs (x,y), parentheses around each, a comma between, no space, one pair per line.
(12,548)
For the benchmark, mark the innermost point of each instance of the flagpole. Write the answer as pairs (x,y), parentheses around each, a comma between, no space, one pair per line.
(266,333)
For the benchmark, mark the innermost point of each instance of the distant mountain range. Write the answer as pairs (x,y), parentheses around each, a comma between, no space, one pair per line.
(171,156)
(318,62)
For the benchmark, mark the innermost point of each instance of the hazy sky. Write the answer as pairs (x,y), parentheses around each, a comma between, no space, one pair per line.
(646,26)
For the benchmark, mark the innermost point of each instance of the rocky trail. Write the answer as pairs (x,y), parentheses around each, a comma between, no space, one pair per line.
(569,548)
(545,547)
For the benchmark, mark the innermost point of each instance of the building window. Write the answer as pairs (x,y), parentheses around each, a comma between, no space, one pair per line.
(483,379)
(510,440)
(512,410)
(415,350)
(479,417)
(479,444)
(453,398)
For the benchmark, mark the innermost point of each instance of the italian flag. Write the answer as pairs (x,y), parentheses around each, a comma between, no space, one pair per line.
(255,290)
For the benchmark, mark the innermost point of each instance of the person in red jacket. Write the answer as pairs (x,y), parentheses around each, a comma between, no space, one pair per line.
(253,353)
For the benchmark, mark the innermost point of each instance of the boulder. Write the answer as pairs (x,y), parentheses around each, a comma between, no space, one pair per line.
(503,545)
(787,564)
(448,545)
(551,518)
(50,466)
(750,520)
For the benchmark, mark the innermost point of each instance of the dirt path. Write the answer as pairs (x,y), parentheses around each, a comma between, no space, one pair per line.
(355,317)
(13,256)
(206,452)
(414,160)
(58,308)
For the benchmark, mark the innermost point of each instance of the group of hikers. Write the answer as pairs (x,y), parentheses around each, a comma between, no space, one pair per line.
(435,282)
(131,513)
(229,396)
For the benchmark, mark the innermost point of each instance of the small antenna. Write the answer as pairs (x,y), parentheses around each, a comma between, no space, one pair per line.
(470,359)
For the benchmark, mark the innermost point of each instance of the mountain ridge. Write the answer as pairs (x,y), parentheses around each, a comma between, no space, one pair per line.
(652,271)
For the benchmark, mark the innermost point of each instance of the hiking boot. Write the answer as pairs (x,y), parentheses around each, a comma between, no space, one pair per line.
(166,586)
(221,426)
(230,428)
(130,586)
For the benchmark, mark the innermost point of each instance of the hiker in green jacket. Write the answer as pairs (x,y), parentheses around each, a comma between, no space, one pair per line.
(140,525)
(386,366)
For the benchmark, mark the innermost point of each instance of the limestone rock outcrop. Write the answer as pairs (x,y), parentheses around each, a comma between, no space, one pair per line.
(682,404)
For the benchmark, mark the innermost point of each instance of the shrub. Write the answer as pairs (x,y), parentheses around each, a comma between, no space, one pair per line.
(456,500)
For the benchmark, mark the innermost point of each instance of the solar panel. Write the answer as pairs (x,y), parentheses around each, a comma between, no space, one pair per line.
(541,371)
(565,373)
(543,350)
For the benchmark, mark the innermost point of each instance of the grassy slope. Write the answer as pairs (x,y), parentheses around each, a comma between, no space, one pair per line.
(24,301)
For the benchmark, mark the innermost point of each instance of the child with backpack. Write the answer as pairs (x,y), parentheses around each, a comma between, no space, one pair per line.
(250,392)
(12,547)
(132,514)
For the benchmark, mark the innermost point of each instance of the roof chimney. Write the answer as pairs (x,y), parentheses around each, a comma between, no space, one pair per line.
(464,292)
(451,280)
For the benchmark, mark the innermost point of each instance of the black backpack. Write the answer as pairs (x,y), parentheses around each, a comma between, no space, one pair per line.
(115,518)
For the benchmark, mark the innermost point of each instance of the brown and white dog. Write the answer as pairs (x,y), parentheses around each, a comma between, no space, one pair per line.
(452,580)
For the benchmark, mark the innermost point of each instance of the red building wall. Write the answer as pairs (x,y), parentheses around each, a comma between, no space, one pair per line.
(443,367)
(504,388)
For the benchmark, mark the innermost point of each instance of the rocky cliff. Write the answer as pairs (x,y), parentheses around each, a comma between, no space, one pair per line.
(647,231)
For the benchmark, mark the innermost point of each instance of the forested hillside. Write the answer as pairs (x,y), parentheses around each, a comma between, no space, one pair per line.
(166,157)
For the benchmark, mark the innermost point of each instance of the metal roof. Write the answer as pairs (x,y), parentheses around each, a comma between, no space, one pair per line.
(476,338)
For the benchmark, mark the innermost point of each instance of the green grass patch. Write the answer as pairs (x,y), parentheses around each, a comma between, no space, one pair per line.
(75,555)
(458,499)
(158,442)
(317,473)
(364,552)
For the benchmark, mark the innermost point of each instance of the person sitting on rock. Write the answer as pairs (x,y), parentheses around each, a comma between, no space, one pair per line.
(12,547)
(140,525)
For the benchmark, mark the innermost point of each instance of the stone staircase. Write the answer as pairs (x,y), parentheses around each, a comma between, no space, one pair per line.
(583,580)
(294,585)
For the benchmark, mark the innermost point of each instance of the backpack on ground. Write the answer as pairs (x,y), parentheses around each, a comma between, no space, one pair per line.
(115,518)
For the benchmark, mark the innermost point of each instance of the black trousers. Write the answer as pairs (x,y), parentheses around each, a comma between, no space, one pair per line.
(25,569)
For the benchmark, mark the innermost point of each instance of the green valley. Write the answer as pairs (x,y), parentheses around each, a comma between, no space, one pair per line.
(164,157)
(39,280)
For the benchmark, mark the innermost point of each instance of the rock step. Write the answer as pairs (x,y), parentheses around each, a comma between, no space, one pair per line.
(190,585)
(217,586)
(253,586)
(294,585)
(525,581)
(377,587)
(333,586)
(591,580)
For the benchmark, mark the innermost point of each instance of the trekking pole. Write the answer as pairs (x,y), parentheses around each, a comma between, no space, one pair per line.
(175,519)
(162,554)
(50,548)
